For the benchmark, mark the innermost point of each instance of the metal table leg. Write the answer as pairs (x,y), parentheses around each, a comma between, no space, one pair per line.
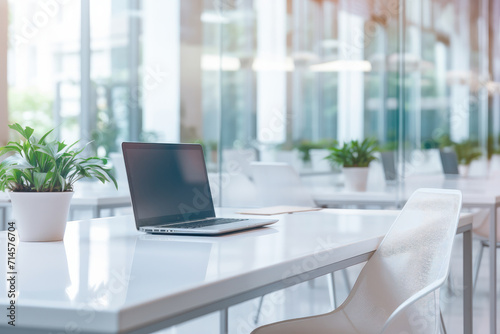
(467,281)
(493,269)
(224,326)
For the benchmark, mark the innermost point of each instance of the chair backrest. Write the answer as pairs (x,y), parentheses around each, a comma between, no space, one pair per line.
(279,184)
(238,160)
(231,186)
(397,287)
(481,226)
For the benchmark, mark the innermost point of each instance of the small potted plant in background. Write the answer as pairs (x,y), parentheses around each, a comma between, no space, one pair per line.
(467,151)
(354,157)
(40,175)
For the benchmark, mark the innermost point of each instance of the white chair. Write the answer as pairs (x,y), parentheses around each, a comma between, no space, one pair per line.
(279,184)
(238,160)
(231,185)
(400,283)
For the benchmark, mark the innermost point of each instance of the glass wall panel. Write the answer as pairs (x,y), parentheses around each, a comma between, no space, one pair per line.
(259,80)
(43,66)
(445,95)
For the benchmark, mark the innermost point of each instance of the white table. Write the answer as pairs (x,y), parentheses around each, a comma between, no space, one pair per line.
(106,277)
(477,193)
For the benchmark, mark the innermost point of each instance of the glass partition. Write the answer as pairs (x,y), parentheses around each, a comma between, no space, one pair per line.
(268,81)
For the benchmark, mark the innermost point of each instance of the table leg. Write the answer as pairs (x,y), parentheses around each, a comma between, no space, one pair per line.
(4,219)
(493,270)
(467,281)
(224,321)
(332,291)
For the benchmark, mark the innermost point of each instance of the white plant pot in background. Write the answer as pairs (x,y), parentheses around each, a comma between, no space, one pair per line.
(40,216)
(355,178)
(463,170)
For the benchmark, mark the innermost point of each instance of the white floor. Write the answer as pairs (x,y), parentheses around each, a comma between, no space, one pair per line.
(309,299)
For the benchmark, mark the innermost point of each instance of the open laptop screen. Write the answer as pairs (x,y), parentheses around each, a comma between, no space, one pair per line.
(168,183)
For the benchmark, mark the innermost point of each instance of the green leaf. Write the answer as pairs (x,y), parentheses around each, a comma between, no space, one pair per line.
(354,153)
(42,140)
(26,133)
(39,180)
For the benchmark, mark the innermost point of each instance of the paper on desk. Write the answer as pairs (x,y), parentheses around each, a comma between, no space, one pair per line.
(277,210)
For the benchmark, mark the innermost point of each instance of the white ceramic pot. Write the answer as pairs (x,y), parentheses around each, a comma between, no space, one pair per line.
(40,216)
(463,170)
(355,178)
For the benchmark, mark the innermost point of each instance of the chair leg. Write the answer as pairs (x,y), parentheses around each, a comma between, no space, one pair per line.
(256,319)
(331,288)
(478,265)
(443,327)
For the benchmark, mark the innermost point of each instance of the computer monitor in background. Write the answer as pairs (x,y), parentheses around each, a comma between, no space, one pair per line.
(389,164)
(449,161)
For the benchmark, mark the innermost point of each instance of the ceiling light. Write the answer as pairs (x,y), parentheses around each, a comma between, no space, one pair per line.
(342,66)
(215,63)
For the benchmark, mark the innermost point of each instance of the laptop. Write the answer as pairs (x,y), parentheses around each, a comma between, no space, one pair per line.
(170,191)
(449,161)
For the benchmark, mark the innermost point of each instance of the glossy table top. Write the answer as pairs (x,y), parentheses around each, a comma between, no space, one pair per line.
(107,277)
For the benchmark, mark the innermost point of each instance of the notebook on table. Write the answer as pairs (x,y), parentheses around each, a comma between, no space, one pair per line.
(277,210)
(170,191)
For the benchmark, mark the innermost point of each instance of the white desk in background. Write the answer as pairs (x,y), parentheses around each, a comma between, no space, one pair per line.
(88,195)
(477,193)
(97,197)
(108,278)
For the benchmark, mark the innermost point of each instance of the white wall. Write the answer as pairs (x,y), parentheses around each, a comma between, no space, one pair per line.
(3,72)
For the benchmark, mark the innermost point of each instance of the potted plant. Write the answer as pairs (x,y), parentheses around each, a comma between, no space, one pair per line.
(354,157)
(467,151)
(40,175)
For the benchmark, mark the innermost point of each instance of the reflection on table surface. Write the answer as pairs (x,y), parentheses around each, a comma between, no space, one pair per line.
(108,263)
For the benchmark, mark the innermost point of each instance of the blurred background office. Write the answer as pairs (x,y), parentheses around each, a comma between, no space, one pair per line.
(255,80)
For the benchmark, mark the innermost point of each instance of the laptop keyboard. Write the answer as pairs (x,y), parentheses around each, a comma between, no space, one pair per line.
(206,222)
